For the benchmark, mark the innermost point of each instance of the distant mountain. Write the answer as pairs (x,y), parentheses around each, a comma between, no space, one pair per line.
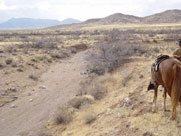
(70,21)
(27,23)
(169,16)
(115,18)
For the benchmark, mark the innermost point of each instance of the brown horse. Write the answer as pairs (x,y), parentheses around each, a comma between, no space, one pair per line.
(169,76)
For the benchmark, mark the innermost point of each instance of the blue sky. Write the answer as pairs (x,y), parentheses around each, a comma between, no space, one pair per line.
(82,9)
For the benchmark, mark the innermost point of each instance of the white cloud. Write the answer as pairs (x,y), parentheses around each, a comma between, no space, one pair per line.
(83,9)
(4,7)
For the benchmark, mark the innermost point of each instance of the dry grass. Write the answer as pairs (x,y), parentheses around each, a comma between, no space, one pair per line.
(41,132)
(89,118)
(25,52)
(142,44)
(44,134)
(63,116)
(79,101)
(95,89)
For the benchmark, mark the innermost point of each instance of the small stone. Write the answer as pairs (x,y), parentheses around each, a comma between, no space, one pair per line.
(126,101)
(29,94)
(13,105)
(147,134)
(1,51)
(20,70)
(141,76)
(108,109)
(13,89)
(1,65)
(30,100)
(179,125)
(42,87)
(14,97)
(3,93)
(69,133)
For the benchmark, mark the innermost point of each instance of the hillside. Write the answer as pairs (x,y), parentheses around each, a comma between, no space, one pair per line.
(115,18)
(169,16)
(24,23)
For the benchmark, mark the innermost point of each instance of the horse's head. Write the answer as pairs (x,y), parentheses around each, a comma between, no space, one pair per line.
(151,86)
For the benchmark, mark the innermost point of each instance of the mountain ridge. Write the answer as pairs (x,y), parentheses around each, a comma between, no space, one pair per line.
(28,23)
(168,16)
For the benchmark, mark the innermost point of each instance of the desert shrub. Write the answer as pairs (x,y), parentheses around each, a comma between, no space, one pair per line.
(9,61)
(89,118)
(79,47)
(147,41)
(14,64)
(155,41)
(106,57)
(126,79)
(95,89)
(112,35)
(23,36)
(172,37)
(44,134)
(33,76)
(9,48)
(78,101)
(41,132)
(39,43)
(1,65)
(59,55)
(63,116)
(1,51)
(20,70)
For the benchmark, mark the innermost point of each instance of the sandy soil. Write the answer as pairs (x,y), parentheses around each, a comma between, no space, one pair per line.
(126,110)
(34,107)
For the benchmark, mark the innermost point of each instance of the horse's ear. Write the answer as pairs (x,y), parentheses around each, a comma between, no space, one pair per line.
(151,86)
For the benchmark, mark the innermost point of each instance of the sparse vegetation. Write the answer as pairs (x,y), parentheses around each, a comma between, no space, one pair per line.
(89,118)
(63,116)
(9,61)
(78,101)
(94,88)
(33,51)
(33,76)
(44,134)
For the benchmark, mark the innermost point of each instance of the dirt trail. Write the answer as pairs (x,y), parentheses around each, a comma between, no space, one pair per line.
(54,88)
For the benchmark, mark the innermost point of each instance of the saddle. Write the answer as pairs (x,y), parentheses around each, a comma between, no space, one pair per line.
(158,60)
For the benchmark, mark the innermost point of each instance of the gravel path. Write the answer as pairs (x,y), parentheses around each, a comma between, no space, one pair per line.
(54,88)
